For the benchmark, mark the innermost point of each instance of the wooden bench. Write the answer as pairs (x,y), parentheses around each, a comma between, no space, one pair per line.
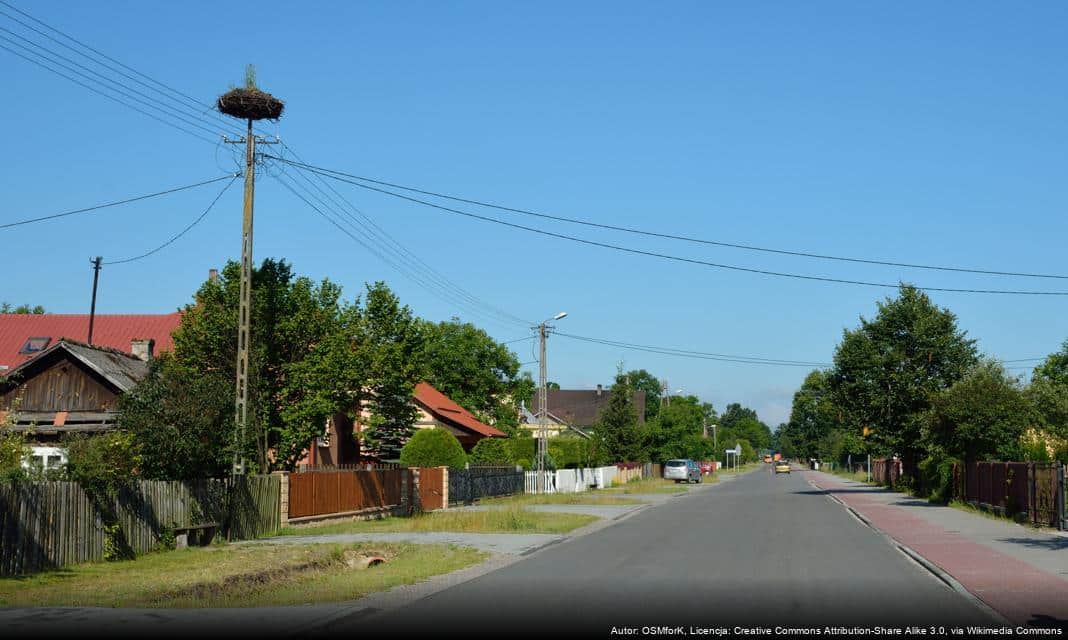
(202,534)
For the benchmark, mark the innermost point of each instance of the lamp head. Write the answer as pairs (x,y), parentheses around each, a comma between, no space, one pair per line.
(561,315)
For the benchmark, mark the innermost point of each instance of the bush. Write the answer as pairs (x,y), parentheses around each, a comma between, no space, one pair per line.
(433,448)
(936,477)
(492,452)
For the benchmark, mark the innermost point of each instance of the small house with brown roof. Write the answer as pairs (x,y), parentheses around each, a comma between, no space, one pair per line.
(69,387)
(338,446)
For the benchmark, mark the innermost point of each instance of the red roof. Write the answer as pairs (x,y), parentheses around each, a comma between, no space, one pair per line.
(115,331)
(443,408)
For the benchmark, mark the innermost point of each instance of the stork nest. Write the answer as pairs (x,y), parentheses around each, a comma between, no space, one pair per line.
(250,104)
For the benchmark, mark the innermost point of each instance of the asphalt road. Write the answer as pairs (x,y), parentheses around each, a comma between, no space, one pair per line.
(760,552)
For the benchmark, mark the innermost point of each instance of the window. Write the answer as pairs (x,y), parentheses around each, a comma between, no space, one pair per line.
(53,462)
(33,345)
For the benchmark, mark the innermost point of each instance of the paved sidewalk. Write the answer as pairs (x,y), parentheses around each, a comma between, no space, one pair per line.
(1019,572)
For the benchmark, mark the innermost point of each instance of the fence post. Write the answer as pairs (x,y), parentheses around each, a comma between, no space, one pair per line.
(1062,499)
(283,498)
(417,501)
(444,488)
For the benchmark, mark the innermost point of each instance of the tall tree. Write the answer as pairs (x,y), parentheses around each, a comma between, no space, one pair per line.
(618,425)
(678,430)
(887,369)
(6,307)
(642,380)
(813,418)
(479,373)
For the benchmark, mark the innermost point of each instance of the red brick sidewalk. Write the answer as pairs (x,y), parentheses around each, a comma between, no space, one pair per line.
(1018,591)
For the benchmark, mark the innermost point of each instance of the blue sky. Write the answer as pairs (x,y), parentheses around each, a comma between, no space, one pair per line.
(912,132)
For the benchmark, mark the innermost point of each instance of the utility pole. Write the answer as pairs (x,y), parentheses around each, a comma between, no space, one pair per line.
(92,306)
(543,405)
(249,104)
(543,417)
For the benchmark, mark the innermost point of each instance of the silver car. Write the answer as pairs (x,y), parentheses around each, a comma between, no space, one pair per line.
(682,469)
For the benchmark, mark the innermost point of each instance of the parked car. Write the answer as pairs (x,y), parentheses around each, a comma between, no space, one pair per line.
(782,466)
(682,469)
(706,466)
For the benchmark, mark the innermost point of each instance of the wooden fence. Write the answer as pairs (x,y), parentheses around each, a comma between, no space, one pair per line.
(886,471)
(45,525)
(329,492)
(1031,490)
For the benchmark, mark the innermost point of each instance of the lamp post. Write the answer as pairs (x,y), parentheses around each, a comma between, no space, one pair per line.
(543,404)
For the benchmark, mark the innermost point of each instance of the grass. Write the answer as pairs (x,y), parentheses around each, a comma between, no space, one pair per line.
(651,485)
(592,498)
(237,576)
(509,520)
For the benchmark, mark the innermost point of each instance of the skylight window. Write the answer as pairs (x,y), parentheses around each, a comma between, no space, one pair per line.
(34,345)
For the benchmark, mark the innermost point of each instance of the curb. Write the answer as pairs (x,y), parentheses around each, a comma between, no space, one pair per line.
(912,554)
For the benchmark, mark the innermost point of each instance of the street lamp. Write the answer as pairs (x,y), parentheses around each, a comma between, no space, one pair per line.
(543,404)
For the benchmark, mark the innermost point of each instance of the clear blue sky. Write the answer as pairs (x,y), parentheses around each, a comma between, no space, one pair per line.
(913,132)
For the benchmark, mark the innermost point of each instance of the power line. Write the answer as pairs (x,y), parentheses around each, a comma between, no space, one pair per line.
(110,63)
(394,247)
(674,258)
(414,277)
(114,204)
(183,231)
(688,353)
(655,234)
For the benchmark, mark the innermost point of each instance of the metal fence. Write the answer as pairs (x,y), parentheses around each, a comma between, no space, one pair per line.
(46,525)
(1030,490)
(468,485)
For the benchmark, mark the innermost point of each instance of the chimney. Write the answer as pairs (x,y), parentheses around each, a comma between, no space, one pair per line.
(599,391)
(142,349)
(213,275)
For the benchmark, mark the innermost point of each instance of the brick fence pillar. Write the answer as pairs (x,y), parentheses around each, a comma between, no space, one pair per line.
(283,501)
(417,501)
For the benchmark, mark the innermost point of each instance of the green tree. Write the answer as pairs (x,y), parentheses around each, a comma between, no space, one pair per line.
(980,417)
(479,373)
(887,370)
(642,380)
(492,452)
(1055,367)
(813,419)
(618,425)
(676,431)
(13,447)
(182,419)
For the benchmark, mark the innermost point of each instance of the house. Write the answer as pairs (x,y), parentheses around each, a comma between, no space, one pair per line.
(338,446)
(68,387)
(574,410)
(23,335)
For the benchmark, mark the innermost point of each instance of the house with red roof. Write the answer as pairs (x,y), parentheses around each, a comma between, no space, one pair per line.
(338,445)
(24,335)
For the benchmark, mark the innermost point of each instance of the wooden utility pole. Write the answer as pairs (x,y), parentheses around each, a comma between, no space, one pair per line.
(243,315)
(92,305)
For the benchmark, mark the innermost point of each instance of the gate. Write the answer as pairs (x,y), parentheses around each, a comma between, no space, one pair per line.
(432,492)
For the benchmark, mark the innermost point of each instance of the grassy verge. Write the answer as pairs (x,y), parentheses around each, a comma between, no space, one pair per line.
(591,498)
(238,576)
(651,485)
(512,520)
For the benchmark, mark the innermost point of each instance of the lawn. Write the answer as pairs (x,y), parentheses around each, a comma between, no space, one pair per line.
(238,576)
(591,498)
(653,485)
(508,520)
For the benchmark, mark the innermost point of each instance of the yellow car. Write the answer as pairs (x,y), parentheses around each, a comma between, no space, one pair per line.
(782,466)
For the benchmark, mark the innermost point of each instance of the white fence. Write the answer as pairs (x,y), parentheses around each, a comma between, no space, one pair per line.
(573,480)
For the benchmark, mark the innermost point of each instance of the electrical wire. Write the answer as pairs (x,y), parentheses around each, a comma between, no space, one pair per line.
(655,234)
(689,353)
(113,204)
(675,258)
(394,247)
(183,231)
(339,222)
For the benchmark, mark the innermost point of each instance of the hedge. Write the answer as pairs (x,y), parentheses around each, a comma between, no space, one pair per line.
(433,448)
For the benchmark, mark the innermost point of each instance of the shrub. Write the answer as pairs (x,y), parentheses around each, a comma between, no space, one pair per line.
(433,448)
(492,452)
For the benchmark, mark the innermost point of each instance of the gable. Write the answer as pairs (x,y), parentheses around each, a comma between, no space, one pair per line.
(61,383)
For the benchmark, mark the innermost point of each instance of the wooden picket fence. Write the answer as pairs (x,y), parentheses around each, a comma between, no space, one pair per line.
(46,525)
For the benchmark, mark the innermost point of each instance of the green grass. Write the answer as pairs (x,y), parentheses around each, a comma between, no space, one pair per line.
(508,520)
(651,485)
(237,576)
(592,498)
